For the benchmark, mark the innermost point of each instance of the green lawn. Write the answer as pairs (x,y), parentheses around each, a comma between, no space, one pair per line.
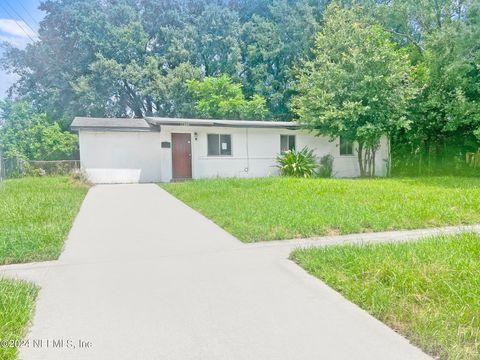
(427,290)
(282,208)
(36,215)
(17,301)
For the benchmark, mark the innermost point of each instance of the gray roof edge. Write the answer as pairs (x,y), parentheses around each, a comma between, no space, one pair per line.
(111,124)
(221,122)
(153,123)
(114,129)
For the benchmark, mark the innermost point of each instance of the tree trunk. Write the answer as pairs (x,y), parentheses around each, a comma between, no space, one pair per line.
(373,161)
(360,159)
(133,100)
(438,15)
(138,113)
(389,156)
(149,106)
(366,159)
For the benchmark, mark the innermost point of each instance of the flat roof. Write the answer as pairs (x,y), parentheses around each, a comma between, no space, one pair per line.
(154,123)
(221,122)
(111,124)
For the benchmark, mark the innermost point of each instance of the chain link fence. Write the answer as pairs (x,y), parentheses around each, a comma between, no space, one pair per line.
(12,168)
(18,167)
(55,167)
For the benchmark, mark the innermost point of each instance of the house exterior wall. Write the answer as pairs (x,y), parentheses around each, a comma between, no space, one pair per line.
(254,152)
(109,157)
(120,157)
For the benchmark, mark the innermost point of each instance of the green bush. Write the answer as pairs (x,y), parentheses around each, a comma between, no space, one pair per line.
(31,135)
(326,166)
(301,163)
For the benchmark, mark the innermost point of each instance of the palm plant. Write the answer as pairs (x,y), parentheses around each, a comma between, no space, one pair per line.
(301,163)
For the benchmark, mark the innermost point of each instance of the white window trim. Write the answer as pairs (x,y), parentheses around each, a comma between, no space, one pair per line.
(219,144)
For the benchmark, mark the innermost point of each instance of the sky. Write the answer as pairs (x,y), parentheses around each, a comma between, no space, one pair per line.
(19,22)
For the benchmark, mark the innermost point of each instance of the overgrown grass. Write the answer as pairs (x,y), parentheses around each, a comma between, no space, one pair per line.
(427,290)
(282,208)
(17,302)
(35,217)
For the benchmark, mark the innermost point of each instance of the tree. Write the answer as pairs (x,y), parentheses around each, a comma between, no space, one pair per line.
(152,89)
(442,39)
(357,86)
(89,51)
(218,41)
(33,136)
(221,98)
(272,44)
(446,115)
(120,58)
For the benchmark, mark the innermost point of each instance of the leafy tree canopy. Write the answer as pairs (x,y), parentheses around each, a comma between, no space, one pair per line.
(129,58)
(33,136)
(221,98)
(134,58)
(357,85)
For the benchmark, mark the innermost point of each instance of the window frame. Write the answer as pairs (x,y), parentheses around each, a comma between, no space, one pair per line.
(219,145)
(288,136)
(340,140)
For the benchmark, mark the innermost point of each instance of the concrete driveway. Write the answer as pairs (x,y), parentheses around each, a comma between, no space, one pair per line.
(143,276)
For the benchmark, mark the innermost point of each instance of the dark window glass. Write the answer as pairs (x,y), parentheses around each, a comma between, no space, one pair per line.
(291,142)
(219,144)
(213,144)
(287,142)
(346,147)
(283,143)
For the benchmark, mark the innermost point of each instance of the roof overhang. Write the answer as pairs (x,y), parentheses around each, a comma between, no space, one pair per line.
(154,123)
(112,124)
(222,123)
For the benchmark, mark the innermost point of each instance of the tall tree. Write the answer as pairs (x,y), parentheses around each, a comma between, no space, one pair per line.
(272,44)
(134,57)
(357,86)
(443,41)
(91,53)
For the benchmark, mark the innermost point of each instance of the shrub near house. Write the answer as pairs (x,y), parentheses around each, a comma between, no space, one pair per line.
(34,136)
(301,163)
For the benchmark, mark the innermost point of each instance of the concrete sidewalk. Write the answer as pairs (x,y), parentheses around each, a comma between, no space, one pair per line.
(365,238)
(143,276)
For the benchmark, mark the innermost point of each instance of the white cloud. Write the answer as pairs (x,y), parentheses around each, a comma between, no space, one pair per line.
(16,32)
(14,27)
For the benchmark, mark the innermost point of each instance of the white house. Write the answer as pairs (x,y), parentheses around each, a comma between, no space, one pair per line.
(164,149)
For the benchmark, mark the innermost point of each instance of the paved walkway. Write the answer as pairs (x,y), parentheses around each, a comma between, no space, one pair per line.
(143,276)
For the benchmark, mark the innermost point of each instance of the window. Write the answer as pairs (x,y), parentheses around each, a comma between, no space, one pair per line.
(287,142)
(219,144)
(346,147)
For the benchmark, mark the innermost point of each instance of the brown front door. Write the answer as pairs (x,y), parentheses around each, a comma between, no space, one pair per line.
(181,156)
